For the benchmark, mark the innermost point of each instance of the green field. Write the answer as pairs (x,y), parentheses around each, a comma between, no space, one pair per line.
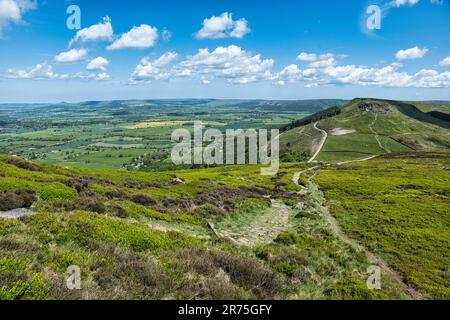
(130,134)
(358,146)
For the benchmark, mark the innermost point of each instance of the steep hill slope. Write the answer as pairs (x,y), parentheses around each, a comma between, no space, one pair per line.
(368,127)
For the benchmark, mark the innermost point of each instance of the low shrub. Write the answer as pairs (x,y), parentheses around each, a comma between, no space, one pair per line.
(288,238)
(22,164)
(86,202)
(142,199)
(123,273)
(10,200)
(245,272)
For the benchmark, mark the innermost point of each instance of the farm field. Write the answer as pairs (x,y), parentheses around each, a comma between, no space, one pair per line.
(130,134)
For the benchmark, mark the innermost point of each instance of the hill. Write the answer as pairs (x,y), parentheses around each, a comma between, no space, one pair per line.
(368,127)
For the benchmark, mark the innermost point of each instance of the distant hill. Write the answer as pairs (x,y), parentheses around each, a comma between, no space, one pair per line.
(306,106)
(367,127)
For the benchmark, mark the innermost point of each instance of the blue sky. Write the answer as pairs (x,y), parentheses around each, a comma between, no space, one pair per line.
(280,49)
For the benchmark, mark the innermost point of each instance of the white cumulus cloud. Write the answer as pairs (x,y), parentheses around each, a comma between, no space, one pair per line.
(400,3)
(98,63)
(223,26)
(445,62)
(335,74)
(154,69)
(231,63)
(316,60)
(73,55)
(102,31)
(411,53)
(307,57)
(293,73)
(39,72)
(141,37)
(101,76)
(11,11)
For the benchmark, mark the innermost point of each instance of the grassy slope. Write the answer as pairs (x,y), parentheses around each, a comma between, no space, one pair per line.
(403,128)
(398,207)
(104,229)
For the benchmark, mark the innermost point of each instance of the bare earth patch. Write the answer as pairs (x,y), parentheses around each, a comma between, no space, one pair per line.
(16,213)
(263,230)
(341,132)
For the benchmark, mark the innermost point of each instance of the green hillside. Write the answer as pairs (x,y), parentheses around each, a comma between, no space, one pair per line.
(397,206)
(209,234)
(370,127)
(310,232)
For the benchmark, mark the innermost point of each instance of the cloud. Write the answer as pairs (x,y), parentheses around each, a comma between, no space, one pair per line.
(73,55)
(293,73)
(141,37)
(318,61)
(98,63)
(223,26)
(323,63)
(102,76)
(307,56)
(400,3)
(156,69)
(445,62)
(334,74)
(41,71)
(102,31)
(409,3)
(411,54)
(11,11)
(231,63)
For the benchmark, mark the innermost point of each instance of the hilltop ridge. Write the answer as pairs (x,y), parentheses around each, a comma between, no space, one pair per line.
(366,127)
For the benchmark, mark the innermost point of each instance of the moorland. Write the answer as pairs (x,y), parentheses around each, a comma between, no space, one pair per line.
(361,183)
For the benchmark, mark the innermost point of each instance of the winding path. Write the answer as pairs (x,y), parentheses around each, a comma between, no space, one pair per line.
(321,144)
(377,136)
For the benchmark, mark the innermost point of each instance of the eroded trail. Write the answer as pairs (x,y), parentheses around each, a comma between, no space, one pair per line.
(372,258)
(321,144)
(359,160)
(376,135)
(158,226)
(263,229)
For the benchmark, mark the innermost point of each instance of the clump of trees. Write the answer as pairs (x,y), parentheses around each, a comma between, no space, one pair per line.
(324,114)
